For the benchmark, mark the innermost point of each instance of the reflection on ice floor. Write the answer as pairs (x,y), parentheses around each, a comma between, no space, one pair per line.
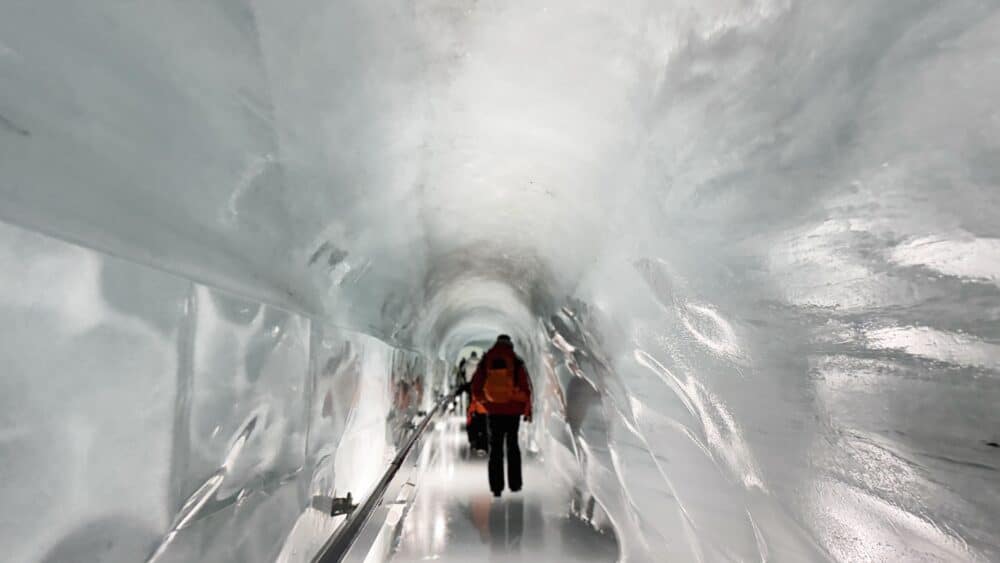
(454,516)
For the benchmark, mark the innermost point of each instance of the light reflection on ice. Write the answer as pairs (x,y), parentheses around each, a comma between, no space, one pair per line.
(706,325)
(720,430)
(927,342)
(969,257)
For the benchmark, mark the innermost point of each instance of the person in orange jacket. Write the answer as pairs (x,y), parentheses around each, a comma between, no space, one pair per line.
(475,424)
(502,386)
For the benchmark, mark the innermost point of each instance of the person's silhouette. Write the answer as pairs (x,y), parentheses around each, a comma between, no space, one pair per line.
(502,386)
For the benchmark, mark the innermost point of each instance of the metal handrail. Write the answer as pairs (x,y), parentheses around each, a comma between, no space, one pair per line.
(335,548)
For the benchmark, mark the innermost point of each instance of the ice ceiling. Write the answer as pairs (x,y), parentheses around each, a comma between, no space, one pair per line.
(764,233)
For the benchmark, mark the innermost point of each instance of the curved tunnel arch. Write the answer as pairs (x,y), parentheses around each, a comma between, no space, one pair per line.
(750,248)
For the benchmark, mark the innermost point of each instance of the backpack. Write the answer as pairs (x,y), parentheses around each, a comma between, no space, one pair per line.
(499,386)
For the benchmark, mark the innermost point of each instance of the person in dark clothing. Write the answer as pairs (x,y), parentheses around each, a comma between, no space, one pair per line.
(475,414)
(461,385)
(477,428)
(502,385)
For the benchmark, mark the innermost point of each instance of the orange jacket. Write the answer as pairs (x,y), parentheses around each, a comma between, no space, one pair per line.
(521,381)
(475,407)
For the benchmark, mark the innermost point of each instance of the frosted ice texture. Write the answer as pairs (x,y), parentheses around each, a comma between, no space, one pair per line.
(89,385)
(749,248)
(148,416)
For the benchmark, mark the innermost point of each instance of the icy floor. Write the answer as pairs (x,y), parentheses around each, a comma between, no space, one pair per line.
(454,517)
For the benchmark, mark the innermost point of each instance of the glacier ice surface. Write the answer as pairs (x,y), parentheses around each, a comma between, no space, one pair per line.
(749,249)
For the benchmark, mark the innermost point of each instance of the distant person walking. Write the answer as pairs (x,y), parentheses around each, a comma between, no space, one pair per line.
(502,385)
(461,385)
(475,413)
(470,365)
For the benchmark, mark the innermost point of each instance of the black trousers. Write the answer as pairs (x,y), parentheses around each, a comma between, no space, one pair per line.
(503,432)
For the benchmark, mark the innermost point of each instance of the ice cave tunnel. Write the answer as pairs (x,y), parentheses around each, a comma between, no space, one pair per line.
(749,251)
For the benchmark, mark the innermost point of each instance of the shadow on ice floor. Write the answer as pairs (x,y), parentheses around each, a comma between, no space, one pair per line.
(455,518)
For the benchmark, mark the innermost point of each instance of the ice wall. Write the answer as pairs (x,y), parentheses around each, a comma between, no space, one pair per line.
(750,247)
(147,132)
(792,314)
(149,417)
(148,413)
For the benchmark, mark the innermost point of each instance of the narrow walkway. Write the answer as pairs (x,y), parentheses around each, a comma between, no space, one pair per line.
(454,517)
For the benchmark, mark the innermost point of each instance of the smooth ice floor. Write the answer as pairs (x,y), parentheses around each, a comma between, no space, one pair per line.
(454,516)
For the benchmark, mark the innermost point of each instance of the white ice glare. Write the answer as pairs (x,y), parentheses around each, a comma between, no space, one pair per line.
(964,257)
